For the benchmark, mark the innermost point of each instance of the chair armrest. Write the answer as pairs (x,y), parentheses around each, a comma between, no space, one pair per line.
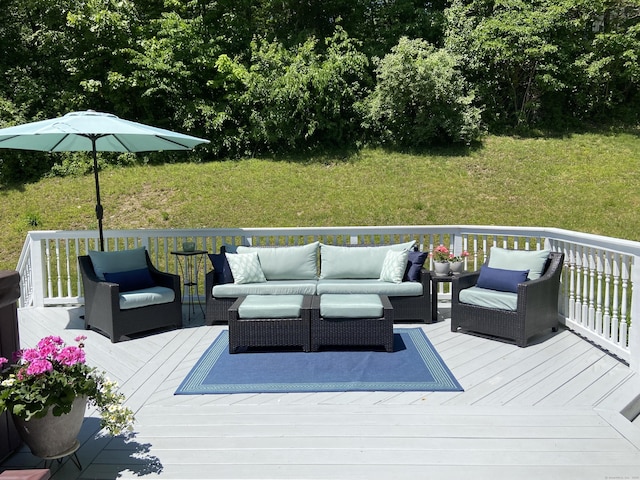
(164,279)
(464,280)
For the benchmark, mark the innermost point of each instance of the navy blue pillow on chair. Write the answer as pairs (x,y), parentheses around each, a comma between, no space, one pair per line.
(414,265)
(221,268)
(501,280)
(131,280)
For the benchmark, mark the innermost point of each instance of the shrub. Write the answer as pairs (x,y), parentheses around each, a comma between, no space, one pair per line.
(421,98)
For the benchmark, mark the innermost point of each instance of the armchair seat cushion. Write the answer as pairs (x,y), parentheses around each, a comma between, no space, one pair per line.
(146,297)
(483,297)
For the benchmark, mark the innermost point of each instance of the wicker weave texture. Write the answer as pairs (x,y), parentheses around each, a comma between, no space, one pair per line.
(352,331)
(537,307)
(269,332)
(102,304)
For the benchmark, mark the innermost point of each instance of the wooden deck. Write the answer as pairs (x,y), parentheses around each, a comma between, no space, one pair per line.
(551,410)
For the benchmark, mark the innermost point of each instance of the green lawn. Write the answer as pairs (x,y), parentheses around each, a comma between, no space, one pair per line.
(586,182)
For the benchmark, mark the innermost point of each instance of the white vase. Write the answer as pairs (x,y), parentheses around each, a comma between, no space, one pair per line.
(50,436)
(441,268)
(456,267)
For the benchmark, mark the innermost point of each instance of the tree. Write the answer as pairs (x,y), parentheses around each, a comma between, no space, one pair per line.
(293,98)
(537,62)
(421,98)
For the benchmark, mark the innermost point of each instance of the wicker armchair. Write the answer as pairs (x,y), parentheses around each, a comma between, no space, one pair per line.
(537,307)
(102,304)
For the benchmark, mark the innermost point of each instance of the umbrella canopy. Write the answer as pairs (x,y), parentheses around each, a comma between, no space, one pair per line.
(94,132)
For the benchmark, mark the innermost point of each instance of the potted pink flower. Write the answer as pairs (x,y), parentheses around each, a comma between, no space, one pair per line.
(457,262)
(440,256)
(46,390)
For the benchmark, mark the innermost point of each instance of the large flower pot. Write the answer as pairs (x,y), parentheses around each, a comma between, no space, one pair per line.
(51,436)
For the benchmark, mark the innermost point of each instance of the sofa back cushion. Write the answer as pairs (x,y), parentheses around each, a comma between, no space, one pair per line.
(532,260)
(355,262)
(299,262)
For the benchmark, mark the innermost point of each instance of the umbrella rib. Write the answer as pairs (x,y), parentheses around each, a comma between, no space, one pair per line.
(58,143)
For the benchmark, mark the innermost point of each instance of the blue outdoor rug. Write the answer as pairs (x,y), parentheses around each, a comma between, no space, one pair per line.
(414,365)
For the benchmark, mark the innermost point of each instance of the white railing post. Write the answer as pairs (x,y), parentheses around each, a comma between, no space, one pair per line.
(39,272)
(634,333)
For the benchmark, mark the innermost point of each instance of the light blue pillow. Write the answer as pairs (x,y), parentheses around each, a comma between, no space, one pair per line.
(298,262)
(532,260)
(394,266)
(120,261)
(245,268)
(355,262)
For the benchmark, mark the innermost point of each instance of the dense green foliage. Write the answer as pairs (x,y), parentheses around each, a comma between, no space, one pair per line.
(259,76)
(421,98)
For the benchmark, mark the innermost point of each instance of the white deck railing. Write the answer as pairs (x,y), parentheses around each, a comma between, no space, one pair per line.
(597,289)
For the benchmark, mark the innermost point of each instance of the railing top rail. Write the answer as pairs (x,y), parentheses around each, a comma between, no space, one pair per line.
(619,245)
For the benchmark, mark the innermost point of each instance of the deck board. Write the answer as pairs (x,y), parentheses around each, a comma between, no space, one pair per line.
(551,410)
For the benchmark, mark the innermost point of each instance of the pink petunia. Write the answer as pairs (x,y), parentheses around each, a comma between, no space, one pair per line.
(3,361)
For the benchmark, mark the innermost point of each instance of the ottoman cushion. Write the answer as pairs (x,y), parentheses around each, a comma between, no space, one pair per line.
(350,306)
(271,306)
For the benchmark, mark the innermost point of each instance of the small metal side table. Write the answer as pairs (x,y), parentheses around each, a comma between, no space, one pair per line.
(435,280)
(190,264)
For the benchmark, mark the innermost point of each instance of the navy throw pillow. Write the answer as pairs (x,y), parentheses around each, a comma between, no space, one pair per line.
(501,280)
(221,269)
(131,280)
(414,265)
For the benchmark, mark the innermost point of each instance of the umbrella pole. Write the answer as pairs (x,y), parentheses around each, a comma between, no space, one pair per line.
(99,210)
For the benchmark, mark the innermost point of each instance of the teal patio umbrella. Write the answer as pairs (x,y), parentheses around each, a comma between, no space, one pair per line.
(94,132)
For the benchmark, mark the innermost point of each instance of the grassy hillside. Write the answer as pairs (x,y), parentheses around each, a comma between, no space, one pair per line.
(587,182)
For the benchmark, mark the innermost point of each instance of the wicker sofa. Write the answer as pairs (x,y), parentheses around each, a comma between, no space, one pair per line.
(316,269)
(517,316)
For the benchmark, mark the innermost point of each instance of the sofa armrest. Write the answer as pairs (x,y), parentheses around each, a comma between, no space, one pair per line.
(425,279)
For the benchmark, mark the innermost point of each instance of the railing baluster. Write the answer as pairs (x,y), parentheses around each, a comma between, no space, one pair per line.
(615,318)
(592,279)
(598,312)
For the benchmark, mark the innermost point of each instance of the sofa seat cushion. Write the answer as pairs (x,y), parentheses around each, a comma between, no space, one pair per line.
(483,297)
(146,297)
(350,306)
(364,286)
(270,306)
(270,287)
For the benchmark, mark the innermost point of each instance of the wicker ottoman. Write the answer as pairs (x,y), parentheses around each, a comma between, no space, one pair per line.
(270,321)
(351,320)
